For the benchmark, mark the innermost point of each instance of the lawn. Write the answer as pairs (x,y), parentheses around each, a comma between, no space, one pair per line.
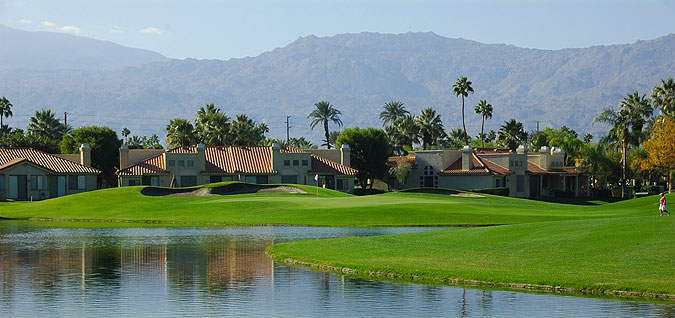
(622,246)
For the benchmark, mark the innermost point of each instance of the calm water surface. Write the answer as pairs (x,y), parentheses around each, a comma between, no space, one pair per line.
(223,272)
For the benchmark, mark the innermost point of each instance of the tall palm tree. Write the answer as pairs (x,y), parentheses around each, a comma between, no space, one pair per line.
(392,111)
(211,126)
(44,123)
(179,132)
(626,128)
(324,113)
(5,109)
(511,134)
(430,127)
(463,87)
(125,133)
(664,96)
(485,110)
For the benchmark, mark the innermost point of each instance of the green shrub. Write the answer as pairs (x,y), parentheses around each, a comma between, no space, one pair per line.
(503,191)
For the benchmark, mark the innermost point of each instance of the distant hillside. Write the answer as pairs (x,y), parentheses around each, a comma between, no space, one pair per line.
(359,73)
(49,51)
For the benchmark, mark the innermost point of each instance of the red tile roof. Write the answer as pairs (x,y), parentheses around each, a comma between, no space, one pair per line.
(12,156)
(480,166)
(235,159)
(322,165)
(392,160)
(533,168)
(492,150)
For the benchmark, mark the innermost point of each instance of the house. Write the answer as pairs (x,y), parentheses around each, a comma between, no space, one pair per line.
(195,165)
(31,174)
(525,174)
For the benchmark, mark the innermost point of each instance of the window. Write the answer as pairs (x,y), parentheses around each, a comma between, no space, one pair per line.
(520,183)
(188,181)
(190,163)
(289,179)
(521,163)
(132,182)
(181,163)
(214,179)
(305,163)
(81,182)
(287,163)
(498,183)
(36,183)
(72,183)
(261,180)
(250,179)
(2,182)
(227,178)
(172,163)
(340,184)
(150,181)
(296,163)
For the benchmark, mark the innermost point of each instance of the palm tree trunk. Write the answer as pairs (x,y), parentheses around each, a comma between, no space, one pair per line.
(623,167)
(466,137)
(482,133)
(325,127)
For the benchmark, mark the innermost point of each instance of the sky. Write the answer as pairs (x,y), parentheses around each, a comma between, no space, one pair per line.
(237,28)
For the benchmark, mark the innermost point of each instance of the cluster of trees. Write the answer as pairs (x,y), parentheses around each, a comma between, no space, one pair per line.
(213,128)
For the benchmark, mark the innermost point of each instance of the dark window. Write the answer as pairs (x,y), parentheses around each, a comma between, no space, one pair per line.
(188,181)
(181,163)
(289,179)
(36,183)
(305,163)
(146,180)
(227,178)
(520,183)
(2,182)
(132,183)
(287,163)
(172,163)
(72,182)
(190,163)
(296,163)
(214,179)
(498,183)
(340,184)
(261,180)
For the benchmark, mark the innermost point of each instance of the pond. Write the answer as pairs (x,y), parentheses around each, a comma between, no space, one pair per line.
(223,272)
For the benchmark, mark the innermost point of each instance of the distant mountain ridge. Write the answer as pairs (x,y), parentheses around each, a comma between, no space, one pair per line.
(50,51)
(358,73)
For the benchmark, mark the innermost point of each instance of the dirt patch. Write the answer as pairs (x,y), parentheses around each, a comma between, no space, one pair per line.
(229,189)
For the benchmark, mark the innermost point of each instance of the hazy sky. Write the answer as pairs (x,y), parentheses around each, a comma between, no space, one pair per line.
(232,28)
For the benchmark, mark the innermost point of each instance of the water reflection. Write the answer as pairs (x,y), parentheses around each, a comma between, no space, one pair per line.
(177,272)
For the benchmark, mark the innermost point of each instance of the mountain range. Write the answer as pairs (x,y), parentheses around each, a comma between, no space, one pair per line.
(103,83)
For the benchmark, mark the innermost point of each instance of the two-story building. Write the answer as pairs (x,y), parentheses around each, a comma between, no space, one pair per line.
(31,174)
(525,174)
(197,165)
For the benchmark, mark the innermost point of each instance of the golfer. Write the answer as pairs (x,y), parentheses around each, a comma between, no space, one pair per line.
(662,205)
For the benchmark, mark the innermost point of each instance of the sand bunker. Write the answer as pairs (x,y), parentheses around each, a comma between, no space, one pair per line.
(233,188)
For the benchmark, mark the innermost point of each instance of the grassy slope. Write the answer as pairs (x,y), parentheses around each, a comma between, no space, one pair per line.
(330,209)
(631,249)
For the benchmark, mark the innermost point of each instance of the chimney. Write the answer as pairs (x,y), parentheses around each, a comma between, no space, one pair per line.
(276,155)
(467,158)
(124,157)
(201,157)
(345,155)
(544,161)
(521,150)
(85,155)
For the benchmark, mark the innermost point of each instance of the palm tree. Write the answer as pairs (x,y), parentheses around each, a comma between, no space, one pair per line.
(511,134)
(245,132)
(633,113)
(463,87)
(5,109)
(392,111)
(212,126)
(664,96)
(179,132)
(324,113)
(430,127)
(485,110)
(125,133)
(44,123)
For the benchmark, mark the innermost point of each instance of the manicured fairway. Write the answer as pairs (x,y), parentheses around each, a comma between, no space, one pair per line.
(330,209)
(622,246)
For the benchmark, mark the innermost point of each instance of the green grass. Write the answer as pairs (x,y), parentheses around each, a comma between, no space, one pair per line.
(603,246)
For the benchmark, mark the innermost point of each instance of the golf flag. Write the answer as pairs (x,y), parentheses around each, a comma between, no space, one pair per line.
(316,177)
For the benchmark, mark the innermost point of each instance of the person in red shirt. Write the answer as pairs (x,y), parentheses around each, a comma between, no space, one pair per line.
(662,205)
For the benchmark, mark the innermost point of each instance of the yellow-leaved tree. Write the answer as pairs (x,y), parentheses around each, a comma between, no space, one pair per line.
(660,148)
